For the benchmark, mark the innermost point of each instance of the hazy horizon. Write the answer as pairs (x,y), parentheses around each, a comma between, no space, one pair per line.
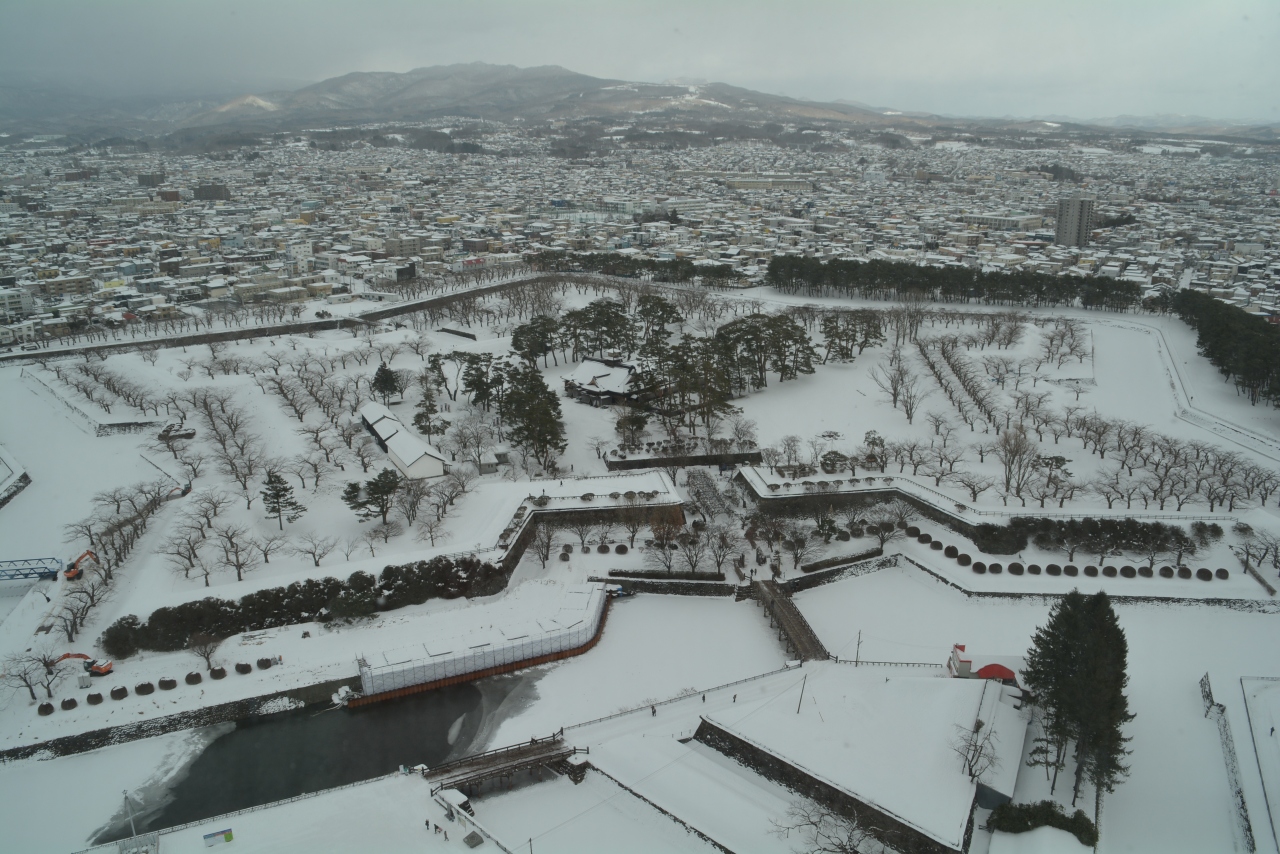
(987,59)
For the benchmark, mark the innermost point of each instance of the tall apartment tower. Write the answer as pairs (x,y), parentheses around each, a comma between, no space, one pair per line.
(1075,221)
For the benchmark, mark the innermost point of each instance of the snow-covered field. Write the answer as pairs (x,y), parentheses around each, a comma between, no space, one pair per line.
(1138,369)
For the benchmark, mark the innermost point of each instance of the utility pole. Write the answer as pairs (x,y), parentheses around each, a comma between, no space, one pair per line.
(801,700)
(857,653)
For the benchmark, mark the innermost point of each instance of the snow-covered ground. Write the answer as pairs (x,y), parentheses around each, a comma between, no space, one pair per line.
(1175,799)
(654,648)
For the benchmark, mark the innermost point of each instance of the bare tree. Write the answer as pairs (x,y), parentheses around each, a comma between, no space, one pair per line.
(22,670)
(385,531)
(204,646)
(315,546)
(50,670)
(693,548)
(543,541)
(430,529)
(976,748)
(275,541)
(912,393)
(975,483)
(799,545)
(183,551)
(582,528)
(822,830)
(722,542)
(238,551)
(409,498)
(634,517)
(664,533)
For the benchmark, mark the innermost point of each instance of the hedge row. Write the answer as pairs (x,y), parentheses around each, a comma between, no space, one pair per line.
(659,575)
(1020,818)
(318,599)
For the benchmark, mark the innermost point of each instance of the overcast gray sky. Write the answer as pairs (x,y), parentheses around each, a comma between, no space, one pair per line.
(1084,58)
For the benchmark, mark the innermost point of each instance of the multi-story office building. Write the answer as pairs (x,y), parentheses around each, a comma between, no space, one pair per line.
(1075,221)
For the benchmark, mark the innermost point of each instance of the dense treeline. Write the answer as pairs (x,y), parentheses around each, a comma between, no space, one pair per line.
(320,599)
(1076,672)
(1245,348)
(891,280)
(628,266)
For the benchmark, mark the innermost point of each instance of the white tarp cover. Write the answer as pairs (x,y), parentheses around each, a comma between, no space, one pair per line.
(569,621)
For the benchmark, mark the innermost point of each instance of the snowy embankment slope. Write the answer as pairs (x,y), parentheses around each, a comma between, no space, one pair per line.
(56,806)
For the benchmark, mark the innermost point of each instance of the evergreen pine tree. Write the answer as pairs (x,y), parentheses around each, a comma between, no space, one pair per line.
(377,496)
(385,382)
(532,412)
(1076,671)
(278,500)
(425,412)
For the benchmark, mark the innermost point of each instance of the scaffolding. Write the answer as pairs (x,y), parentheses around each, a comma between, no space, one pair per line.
(493,649)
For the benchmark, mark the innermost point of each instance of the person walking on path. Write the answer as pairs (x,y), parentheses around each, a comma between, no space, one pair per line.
(653,710)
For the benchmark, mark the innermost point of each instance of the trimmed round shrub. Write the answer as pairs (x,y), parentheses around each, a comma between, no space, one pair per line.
(620,548)
(94,699)
(194,678)
(924,538)
(857,531)
(602,549)
(902,526)
(674,546)
(995,569)
(936,545)
(588,496)
(979,567)
(1166,572)
(564,556)
(913,531)
(842,536)
(1204,574)
(218,673)
(69,703)
(615,495)
(1091,571)
(1222,574)
(142,689)
(567,547)
(951,551)
(45,709)
(1110,571)
(1071,570)
(167,684)
(964,560)
(1034,569)
(1016,569)
(265,663)
(1128,572)
(1145,572)
(1053,569)
(1184,572)
(243,668)
(119,692)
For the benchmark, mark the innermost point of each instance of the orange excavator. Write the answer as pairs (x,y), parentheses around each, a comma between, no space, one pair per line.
(75,568)
(92,666)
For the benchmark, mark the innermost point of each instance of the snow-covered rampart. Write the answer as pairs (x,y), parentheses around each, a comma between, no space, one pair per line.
(543,629)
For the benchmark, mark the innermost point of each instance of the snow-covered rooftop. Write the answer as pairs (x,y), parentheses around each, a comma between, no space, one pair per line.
(884,739)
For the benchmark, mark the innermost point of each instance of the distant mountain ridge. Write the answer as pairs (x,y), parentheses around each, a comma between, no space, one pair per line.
(505,92)
(502,93)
